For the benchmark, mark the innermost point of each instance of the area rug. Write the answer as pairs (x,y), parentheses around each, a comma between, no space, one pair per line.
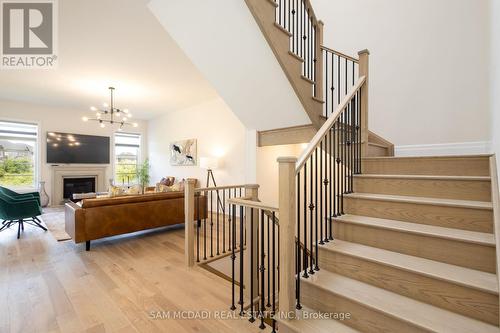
(54,220)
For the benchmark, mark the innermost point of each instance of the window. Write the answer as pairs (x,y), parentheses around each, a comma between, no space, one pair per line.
(127,156)
(18,144)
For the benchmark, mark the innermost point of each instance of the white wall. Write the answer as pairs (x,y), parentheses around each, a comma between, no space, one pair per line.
(51,119)
(219,134)
(267,170)
(224,42)
(495,76)
(429,65)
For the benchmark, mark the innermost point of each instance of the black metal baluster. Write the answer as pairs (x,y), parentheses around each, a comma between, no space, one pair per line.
(211,225)
(280,11)
(231,217)
(308,32)
(242,282)
(348,147)
(205,233)
(331,184)
(311,213)
(322,189)
(353,143)
(353,64)
(274,272)
(262,269)
(293,26)
(346,76)
(298,253)
(224,221)
(233,260)
(278,245)
(339,87)
(360,138)
(334,104)
(269,262)
(252,319)
(198,226)
(289,18)
(305,275)
(217,226)
(315,244)
(337,160)
(326,84)
(343,163)
(326,184)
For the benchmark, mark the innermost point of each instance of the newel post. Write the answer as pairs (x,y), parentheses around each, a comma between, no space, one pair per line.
(318,75)
(287,216)
(364,70)
(251,193)
(189,222)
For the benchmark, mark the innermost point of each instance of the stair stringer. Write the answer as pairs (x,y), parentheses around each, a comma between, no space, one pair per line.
(279,41)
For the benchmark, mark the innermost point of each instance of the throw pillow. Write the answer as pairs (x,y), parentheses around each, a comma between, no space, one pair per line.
(115,191)
(167,181)
(136,189)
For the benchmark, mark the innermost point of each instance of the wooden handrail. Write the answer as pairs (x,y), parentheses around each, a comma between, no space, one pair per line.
(215,188)
(328,124)
(252,204)
(340,54)
(311,12)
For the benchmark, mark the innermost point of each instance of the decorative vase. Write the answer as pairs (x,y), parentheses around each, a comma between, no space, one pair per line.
(44,197)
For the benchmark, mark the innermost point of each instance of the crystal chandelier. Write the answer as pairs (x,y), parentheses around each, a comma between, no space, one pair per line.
(111,115)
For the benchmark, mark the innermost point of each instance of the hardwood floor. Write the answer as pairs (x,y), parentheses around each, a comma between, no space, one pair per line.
(50,286)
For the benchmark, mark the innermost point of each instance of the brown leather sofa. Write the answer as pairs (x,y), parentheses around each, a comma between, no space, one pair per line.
(104,217)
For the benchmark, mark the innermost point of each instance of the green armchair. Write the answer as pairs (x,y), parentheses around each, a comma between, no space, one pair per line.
(15,195)
(19,209)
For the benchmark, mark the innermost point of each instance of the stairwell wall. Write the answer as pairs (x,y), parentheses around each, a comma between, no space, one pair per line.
(495,75)
(429,68)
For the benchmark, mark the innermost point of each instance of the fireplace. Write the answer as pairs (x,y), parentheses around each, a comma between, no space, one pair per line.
(77,185)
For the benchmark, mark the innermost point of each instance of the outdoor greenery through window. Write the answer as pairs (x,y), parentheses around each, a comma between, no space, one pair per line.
(127,155)
(18,142)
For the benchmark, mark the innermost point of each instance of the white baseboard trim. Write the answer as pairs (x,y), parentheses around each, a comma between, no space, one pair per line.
(443,149)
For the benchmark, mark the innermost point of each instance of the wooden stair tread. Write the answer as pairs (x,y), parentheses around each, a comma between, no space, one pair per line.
(305,325)
(427,157)
(377,145)
(423,201)
(424,177)
(421,229)
(459,275)
(409,310)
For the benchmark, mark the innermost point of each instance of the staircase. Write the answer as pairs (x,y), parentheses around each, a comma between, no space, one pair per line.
(367,241)
(414,251)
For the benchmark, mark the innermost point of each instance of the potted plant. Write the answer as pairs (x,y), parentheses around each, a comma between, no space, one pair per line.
(142,173)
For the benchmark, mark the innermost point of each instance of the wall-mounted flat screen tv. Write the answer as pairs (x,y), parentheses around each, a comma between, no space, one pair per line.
(65,148)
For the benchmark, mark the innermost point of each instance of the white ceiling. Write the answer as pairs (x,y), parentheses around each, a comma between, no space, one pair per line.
(111,42)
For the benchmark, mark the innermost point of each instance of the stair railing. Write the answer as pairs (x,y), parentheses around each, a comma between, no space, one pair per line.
(298,18)
(255,272)
(314,193)
(208,221)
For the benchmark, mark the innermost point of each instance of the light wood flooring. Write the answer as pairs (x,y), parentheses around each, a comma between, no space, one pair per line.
(50,286)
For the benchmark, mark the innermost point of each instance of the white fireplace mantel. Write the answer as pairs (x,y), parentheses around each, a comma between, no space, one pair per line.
(59,172)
